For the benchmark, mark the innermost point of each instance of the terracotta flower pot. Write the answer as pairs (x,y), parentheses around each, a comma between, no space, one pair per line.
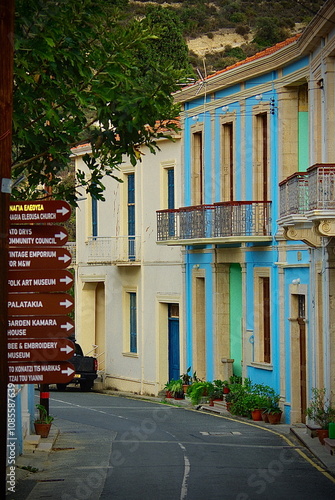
(256,415)
(274,418)
(265,417)
(169,394)
(42,429)
(322,434)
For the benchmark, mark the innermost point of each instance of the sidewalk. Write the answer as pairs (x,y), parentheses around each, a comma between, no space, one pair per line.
(82,447)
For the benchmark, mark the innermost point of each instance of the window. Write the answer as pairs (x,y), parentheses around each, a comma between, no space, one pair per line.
(132,322)
(170,188)
(261,180)
(131,215)
(227,162)
(94,207)
(197,168)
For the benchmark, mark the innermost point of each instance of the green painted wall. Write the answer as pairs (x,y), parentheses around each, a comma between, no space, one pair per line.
(303,142)
(235,314)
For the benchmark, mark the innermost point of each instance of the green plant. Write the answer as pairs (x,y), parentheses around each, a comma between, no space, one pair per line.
(186,377)
(196,391)
(44,418)
(320,408)
(176,388)
(218,388)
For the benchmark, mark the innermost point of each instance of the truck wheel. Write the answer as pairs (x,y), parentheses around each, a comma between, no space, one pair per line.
(61,387)
(86,385)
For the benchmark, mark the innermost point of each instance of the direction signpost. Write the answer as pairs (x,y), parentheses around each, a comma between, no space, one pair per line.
(37,305)
(39,211)
(39,258)
(26,236)
(40,373)
(40,350)
(46,280)
(39,327)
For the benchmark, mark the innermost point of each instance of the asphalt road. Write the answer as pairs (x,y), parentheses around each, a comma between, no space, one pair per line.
(129,449)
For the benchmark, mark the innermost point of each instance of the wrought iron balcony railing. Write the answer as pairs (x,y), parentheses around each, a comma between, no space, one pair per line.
(309,191)
(118,249)
(240,219)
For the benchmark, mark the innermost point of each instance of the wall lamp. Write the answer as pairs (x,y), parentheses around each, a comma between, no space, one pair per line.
(259,97)
(195,118)
(296,281)
(225,109)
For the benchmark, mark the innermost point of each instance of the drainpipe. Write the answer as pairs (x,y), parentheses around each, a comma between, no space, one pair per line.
(325,314)
(312,329)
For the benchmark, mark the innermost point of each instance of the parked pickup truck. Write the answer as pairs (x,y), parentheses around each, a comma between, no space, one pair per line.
(86,370)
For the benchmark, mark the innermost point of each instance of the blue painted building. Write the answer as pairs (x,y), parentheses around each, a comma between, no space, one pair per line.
(256,136)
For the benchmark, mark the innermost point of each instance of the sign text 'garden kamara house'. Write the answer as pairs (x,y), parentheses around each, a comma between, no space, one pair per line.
(37,303)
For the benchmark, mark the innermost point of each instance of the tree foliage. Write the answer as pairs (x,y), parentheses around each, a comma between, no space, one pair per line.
(78,75)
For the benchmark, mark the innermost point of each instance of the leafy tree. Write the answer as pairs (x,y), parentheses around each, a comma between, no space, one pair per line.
(169,47)
(268,32)
(78,76)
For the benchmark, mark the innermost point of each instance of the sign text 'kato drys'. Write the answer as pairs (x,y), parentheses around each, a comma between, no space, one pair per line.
(39,211)
(32,236)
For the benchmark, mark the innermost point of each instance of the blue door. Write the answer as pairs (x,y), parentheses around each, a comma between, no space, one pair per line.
(173,343)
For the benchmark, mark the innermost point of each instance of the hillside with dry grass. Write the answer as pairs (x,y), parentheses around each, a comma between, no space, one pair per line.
(222,32)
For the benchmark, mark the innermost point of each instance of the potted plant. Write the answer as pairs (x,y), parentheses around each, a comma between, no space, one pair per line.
(43,423)
(168,389)
(196,391)
(321,411)
(186,379)
(225,387)
(254,404)
(218,389)
(274,414)
(177,389)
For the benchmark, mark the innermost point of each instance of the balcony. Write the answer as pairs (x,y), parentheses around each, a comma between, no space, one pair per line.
(307,204)
(119,250)
(225,222)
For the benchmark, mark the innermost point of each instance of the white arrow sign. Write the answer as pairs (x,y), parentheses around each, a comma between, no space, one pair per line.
(68,371)
(61,235)
(66,303)
(62,210)
(64,258)
(67,326)
(66,280)
(66,349)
